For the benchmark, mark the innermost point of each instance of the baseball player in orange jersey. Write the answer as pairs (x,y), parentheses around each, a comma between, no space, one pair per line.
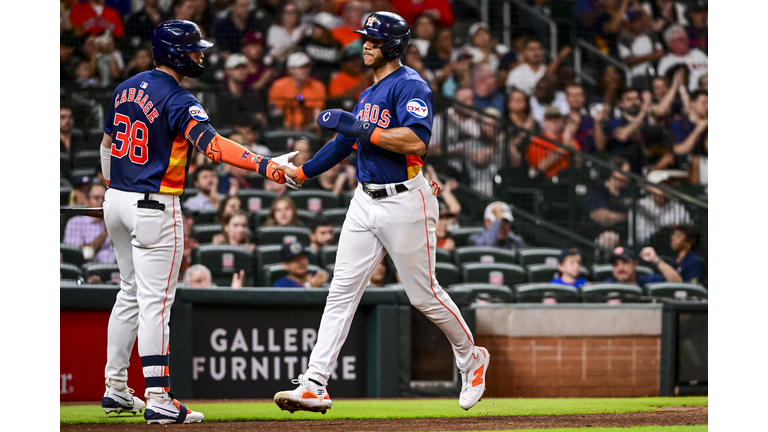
(149,135)
(393,211)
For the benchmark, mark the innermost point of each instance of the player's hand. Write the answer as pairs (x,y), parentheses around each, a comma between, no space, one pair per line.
(346,124)
(285,158)
(291,179)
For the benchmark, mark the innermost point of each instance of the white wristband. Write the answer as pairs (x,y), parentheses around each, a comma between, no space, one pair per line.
(105,161)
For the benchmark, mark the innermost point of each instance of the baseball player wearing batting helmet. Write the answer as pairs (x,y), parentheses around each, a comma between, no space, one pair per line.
(149,133)
(393,210)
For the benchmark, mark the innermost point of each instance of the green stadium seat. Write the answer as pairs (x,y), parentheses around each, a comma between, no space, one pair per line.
(64,193)
(336,215)
(447,274)
(546,293)
(253,200)
(282,234)
(611,293)
(270,254)
(109,273)
(461,235)
(204,233)
(315,200)
(69,272)
(205,216)
(501,293)
(71,254)
(442,255)
(64,165)
(273,272)
(677,290)
(328,254)
(483,254)
(79,172)
(255,180)
(538,256)
(494,274)
(225,260)
(86,159)
(601,272)
(95,136)
(545,273)
(305,216)
(281,141)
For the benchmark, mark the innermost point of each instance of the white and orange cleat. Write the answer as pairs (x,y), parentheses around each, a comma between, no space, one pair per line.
(473,381)
(162,408)
(308,396)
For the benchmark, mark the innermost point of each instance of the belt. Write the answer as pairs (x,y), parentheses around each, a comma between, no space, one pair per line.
(384,192)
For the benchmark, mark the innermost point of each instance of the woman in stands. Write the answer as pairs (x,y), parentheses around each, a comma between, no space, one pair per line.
(227,206)
(235,231)
(283,213)
(519,113)
(286,32)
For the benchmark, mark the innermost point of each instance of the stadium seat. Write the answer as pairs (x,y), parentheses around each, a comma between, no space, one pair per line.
(253,200)
(204,233)
(282,234)
(447,274)
(64,193)
(205,216)
(461,236)
(79,172)
(601,272)
(305,216)
(255,180)
(546,293)
(225,260)
(86,159)
(442,255)
(280,141)
(483,254)
(336,234)
(109,273)
(500,293)
(611,293)
(336,215)
(494,274)
(64,165)
(677,290)
(538,256)
(79,141)
(329,269)
(545,273)
(270,254)
(188,193)
(315,200)
(69,272)
(273,272)
(328,254)
(71,254)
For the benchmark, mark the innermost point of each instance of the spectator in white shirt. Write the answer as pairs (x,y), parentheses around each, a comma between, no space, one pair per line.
(527,75)
(680,53)
(484,48)
(286,32)
(656,211)
(639,48)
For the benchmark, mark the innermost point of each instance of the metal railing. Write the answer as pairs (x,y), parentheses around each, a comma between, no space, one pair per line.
(530,13)
(581,76)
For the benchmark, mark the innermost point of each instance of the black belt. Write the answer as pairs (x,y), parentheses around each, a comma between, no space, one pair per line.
(382,193)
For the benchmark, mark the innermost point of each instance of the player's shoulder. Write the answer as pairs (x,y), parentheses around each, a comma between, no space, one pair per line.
(410,81)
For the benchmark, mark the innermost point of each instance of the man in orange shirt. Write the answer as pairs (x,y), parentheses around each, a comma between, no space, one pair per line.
(350,81)
(547,157)
(353,19)
(297,97)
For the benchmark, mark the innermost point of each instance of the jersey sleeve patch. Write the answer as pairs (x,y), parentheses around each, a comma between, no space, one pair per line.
(417,108)
(198,113)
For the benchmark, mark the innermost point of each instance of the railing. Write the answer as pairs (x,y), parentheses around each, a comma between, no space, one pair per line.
(582,45)
(531,14)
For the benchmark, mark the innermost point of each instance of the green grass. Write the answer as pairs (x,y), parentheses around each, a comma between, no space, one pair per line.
(387,409)
(702,428)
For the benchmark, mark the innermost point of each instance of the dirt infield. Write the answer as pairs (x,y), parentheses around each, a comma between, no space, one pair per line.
(668,416)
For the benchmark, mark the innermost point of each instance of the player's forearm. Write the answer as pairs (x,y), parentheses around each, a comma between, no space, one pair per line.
(328,157)
(400,140)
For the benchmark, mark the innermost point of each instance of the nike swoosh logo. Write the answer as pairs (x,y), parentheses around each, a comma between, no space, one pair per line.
(129,402)
(166,411)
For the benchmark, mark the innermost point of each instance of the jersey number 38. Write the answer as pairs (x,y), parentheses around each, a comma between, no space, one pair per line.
(132,141)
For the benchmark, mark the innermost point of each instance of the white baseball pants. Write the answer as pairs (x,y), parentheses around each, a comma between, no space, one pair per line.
(402,225)
(149,245)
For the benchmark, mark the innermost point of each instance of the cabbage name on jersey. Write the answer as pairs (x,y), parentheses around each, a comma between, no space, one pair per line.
(401,99)
(147,118)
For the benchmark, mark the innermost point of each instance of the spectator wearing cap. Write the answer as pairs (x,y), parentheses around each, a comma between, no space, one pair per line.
(484,86)
(687,263)
(639,47)
(286,32)
(547,157)
(569,269)
(656,211)
(294,259)
(440,10)
(681,53)
(93,17)
(232,29)
(624,264)
(69,143)
(526,75)
(698,31)
(142,23)
(320,232)
(422,31)
(321,48)
(605,210)
(259,74)
(498,229)
(90,233)
(350,82)
(484,48)
(198,276)
(80,185)
(352,13)
(298,98)
(238,103)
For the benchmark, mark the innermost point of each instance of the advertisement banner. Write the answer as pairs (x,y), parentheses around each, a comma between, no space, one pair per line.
(254,352)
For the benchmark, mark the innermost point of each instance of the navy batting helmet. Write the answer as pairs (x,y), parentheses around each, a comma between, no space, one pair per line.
(391,28)
(172,40)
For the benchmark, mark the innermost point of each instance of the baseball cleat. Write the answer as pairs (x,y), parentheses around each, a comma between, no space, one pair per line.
(309,396)
(120,401)
(164,409)
(473,381)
